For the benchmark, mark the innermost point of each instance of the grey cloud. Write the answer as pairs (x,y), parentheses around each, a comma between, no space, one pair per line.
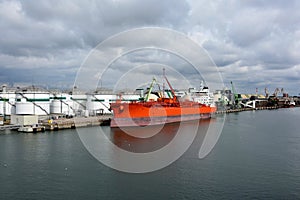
(240,36)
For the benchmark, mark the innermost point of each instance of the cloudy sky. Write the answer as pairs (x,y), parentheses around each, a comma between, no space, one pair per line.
(255,44)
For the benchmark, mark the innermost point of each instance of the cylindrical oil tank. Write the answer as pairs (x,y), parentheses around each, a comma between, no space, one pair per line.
(2,107)
(56,106)
(79,102)
(93,104)
(89,103)
(68,108)
(7,108)
(24,108)
(41,108)
(12,110)
(99,103)
(61,107)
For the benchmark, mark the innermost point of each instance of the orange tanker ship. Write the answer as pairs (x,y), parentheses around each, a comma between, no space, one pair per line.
(161,111)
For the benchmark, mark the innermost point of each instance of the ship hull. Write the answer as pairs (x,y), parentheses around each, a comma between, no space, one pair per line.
(129,122)
(154,113)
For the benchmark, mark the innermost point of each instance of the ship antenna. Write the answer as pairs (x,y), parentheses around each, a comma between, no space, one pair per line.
(201,85)
(164,74)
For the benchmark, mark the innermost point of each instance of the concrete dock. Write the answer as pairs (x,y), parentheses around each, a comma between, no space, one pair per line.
(9,127)
(246,109)
(76,122)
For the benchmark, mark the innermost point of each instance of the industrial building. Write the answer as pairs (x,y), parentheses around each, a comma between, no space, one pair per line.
(33,101)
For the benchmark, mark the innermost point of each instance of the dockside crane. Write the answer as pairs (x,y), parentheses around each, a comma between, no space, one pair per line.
(276,92)
(172,90)
(236,97)
(266,92)
(150,89)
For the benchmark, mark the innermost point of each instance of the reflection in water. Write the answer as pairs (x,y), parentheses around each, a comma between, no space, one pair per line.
(124,152)
(122,139)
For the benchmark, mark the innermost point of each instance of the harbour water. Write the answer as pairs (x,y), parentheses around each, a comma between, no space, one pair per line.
(256,157)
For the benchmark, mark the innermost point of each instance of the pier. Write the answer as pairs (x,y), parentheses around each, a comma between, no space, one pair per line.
(9,127)
(76,122)
(60,124)
(246,109)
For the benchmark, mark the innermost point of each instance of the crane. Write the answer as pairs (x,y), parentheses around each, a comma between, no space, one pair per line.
(266,92)
(276,92)
(150,89)
(170,86)
(236,97)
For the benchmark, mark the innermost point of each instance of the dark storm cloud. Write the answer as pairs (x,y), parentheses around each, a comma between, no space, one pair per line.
(93,21)
(251,40)
(43,33)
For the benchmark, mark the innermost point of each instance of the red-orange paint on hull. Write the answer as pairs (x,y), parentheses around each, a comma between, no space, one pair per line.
(157,112)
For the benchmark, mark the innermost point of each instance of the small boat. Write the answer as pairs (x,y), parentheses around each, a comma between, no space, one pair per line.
(32,129)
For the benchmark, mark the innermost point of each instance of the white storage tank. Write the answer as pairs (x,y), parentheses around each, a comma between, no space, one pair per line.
(41,108)
(94,104)
(61,107)
(130,97)
(68,109)
(24,108)
(7,102)
(32,101)
(6,107)
(56,106)
(99,103)
(2,105)
(29,108)
(13,109)
(79,102)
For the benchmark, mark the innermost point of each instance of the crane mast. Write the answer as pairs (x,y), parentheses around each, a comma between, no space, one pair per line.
(170,86)
(236,97)
(150,89)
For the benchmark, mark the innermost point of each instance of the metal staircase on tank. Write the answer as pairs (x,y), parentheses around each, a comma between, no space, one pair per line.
(20,93)
(57,98)
(108,108)
(8,102)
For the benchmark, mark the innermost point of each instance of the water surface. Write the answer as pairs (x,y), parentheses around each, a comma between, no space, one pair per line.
(256,157)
